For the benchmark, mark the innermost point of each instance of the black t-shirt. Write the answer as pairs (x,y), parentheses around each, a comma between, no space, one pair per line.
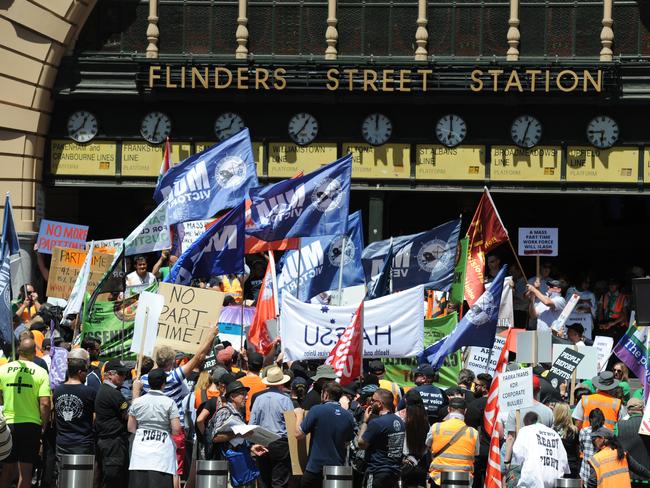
(385,437)
(40,362)
(110,408)
(312,398)
(73,407)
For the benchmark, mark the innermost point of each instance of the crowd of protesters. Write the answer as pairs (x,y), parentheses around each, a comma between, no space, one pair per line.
(149,431)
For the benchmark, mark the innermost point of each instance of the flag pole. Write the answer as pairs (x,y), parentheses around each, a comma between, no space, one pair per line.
(243,303)
(274,280)
(299,262)
(345,242)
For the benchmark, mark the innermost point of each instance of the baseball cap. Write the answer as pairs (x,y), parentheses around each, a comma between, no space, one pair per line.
(457,402)
(217,373)
(424,369)
(78,353)
(255,360)
(116,365)
(603,432)
(376,366)
(554,283)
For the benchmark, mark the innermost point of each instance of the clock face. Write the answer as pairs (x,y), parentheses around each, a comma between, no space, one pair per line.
(82,126)
(602,132)
(227,125)
(376,129)
(451,130)
(526,131)
(303,128)
(155,127)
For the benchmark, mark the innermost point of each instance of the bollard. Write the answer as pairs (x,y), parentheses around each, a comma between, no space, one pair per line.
(77,470)
(337,477)
(211,474)
(567,483)
(450,479)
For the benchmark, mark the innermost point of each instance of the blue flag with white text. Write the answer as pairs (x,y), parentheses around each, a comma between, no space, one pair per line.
(477,328)
(6,317)
(9,234)
(427,258)
(379,284)
(309,206)
(218,251)
(319,263)
(210,181)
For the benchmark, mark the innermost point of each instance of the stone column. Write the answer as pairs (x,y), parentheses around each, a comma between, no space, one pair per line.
(607,33)
(242,32)
(513,32)
(153,33)
(331,34)
(421,34)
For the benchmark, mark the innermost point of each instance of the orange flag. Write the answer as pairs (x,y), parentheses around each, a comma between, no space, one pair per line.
(258,334)
(347,355)
(486,231)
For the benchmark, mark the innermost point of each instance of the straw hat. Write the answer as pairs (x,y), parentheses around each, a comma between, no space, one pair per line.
(275,377)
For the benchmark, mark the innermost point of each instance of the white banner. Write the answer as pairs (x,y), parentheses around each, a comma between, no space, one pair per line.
(151,235)
(190,231)
(150,306)
(516,389)
(484,359)
(76,298)
(393,326)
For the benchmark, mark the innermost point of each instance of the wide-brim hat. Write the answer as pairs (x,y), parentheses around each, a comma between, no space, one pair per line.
(325,371)
(234,386)
(275,377)
(604,381)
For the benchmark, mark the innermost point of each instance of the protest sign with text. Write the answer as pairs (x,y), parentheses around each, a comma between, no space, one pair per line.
(60,234)
(564,366)
(392,326)
(516,389)
(588,367)
(188,232)
(558,324)
(150,306)
(484,359)
(187,315)
(604,346)
(65,267)
(538,241)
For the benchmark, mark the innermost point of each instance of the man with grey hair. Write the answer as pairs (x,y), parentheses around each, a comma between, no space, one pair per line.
(176,388)
(74,409)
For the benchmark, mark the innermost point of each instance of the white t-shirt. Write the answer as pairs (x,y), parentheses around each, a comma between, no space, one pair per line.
(547,315)
(542,457)
(135,284)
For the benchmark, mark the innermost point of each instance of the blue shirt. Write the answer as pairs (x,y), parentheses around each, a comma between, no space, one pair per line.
(432,397)
(175,388)
(331,428)
(385,438)
(268,410)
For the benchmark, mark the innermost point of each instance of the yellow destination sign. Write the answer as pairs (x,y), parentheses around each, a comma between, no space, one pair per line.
(390,161)
(258,153)
(143,159)
(450,163)
(616,165)
(286,159)
(646,166)
(512,163)
(94,159)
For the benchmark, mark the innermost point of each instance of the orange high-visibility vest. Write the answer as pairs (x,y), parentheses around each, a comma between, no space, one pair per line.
(232,287)
(610,471)
(457,457)
(393,388)
(619,305)
(609,405)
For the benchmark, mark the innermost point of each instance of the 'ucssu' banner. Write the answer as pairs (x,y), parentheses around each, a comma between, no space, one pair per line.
(392,326)
(218,251)
(427,258)
(319,263)
(209,181)
(312,205)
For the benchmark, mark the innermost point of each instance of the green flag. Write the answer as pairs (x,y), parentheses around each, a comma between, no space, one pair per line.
(458,287)
(399,370)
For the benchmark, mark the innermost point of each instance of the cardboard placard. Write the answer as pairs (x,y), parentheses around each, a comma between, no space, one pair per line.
(588,367)
(484,359)
(190,231)
(187,315)
(298,449)
(538,241)
(150,306)
(584,319)
(526,345)
(516,389)
(65,267)
(110,245)
(558,324)
(53,234)
(564,366)
(604,346)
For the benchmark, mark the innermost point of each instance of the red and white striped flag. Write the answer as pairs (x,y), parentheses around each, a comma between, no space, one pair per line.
(491,421)
(347,355)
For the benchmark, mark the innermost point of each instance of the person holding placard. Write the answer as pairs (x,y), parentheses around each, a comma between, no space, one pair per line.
(547,307)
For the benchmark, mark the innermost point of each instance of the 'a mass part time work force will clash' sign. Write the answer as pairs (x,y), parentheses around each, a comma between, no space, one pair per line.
(538,241)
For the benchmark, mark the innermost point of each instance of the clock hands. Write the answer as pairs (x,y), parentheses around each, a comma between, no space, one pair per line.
(377,122)
(155,127)
(303,127)
(526,131)
(83,122)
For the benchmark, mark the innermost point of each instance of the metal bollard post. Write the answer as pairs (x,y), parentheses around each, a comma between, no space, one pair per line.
(451,479)
(211,474)
(337,477)
(77,470)
(567,483)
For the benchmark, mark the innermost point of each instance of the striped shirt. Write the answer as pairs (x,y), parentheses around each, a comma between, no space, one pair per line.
(5,439)
(175,388)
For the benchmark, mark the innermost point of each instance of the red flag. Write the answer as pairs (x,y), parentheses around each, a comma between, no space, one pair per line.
(258,334)
(254,245)
(493,473)
(486,231)
(347,355)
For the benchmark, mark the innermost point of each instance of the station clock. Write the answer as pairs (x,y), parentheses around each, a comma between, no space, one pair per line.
(526,131)
(155,127)
(82,126)
(303,128)
(227,125)
(602,132)
(451,130)
(376,129)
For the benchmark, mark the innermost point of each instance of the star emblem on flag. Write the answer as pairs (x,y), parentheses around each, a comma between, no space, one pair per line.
(325,309)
